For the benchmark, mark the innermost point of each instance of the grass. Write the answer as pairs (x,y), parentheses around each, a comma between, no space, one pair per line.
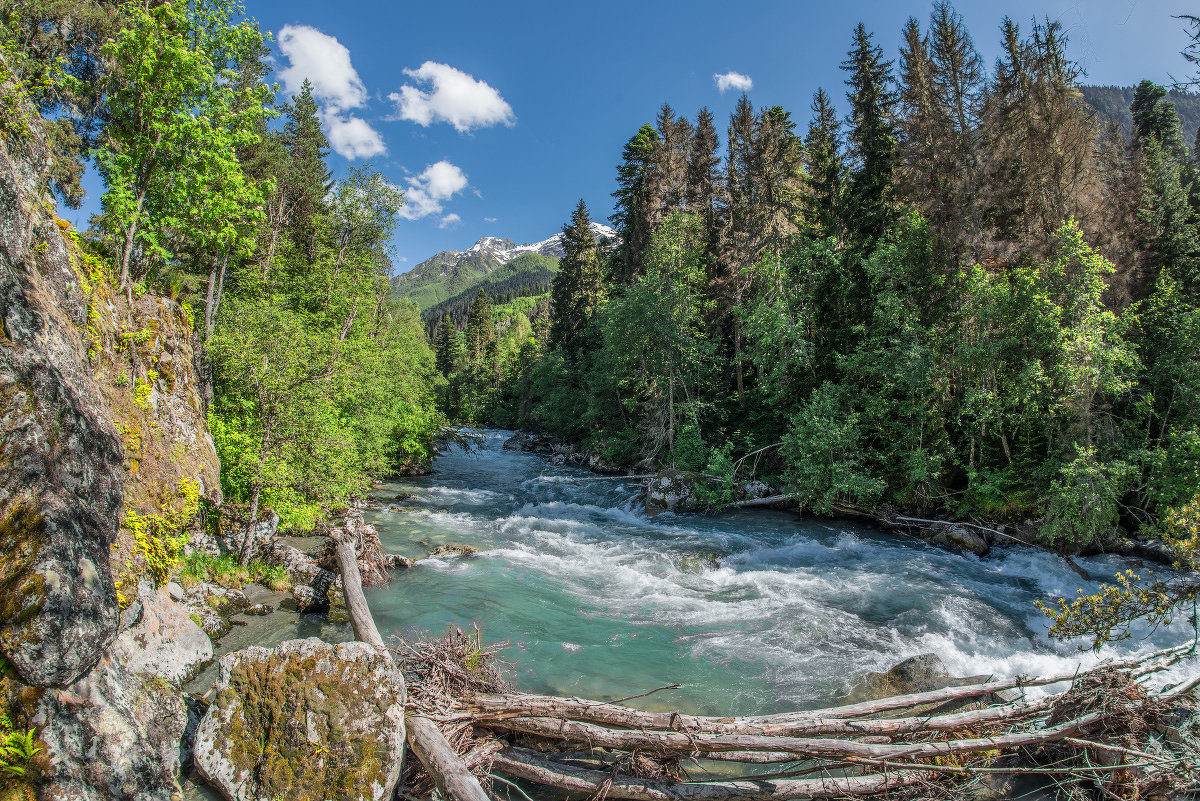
(225,571)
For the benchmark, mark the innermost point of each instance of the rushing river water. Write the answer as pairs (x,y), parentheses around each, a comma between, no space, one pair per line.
(751,611)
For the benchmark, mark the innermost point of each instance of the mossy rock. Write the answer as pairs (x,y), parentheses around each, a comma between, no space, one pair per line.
(307,720)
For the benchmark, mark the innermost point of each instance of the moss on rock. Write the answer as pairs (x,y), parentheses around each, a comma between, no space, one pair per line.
(308,720)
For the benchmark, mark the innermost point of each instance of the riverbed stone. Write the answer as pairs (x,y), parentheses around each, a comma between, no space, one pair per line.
(959,537)
(306,720)
(670,491)
(164,641)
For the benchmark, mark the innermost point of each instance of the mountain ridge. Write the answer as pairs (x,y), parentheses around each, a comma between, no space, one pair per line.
(449,273)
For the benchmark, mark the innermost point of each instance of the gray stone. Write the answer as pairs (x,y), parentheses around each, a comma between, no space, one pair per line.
(165,642)
(112,735)
(304,720)
(670,491)
(175,591)
(61,470)
(959,537)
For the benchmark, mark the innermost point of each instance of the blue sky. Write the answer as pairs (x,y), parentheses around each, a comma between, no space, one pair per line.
(515,110)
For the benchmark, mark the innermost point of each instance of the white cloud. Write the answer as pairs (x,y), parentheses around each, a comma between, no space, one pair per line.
(455,97)
(490,219)
(353,138)
(449,220)
(323,60)
(733,80)
(427,193)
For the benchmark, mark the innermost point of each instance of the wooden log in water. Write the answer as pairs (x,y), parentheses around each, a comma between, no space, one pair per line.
(452,777)
(532,766)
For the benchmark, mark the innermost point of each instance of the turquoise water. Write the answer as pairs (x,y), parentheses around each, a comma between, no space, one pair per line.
(751,611)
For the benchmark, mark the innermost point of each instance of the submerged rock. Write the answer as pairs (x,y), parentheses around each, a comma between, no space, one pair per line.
(453,549)
(306,720)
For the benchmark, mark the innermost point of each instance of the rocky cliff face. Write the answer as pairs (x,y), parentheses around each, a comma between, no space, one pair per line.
(104,460)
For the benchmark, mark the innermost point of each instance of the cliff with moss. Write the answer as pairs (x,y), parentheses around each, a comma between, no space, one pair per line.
(105,459)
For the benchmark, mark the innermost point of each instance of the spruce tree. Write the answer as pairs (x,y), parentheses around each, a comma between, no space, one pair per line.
(446,347)
(704,177)
(638,197)
(305,182)
(872,138)
(823,152)
(578,288)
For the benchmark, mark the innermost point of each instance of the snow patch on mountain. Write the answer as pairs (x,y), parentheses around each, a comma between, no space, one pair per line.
(505,250)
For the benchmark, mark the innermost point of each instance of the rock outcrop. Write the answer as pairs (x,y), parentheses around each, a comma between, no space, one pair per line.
(112,734)
(61,476)
(306,720)
(105,458)
(670,491)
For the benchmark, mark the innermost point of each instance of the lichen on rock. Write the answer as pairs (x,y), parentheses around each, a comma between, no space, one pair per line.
(306,720)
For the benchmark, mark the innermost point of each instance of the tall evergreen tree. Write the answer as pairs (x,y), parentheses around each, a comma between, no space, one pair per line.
(826,169)
(578,288)
(872,138)
(703,173)
(306,180)
(446,347)
(638,197)
(675,135)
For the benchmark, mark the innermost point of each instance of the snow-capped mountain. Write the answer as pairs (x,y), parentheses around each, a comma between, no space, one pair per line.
(505,250)
(451,272)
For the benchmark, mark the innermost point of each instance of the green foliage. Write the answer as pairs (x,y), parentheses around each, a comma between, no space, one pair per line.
(225,571)
(177,116)
(18,747)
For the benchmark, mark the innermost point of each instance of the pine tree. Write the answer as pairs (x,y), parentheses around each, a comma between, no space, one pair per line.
(578,288)
(703,173)
(638,197)
(823,151)
(447,347)
(872,138)
(305,182)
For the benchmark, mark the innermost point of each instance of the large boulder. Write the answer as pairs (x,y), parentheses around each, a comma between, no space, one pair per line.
(61,462)
(960,538)
(306,720)
(670,491)
(162,639)
(112,734)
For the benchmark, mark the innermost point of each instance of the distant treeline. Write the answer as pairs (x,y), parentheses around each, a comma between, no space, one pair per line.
(1114,102)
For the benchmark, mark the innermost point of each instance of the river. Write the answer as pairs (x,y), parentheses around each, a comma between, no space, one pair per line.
(750,611)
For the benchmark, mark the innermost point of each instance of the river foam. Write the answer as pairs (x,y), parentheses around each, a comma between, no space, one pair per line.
(752,610)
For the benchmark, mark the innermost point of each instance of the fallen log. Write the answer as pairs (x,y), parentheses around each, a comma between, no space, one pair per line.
(670,743)
(495,710)
(535,767)
(440,761)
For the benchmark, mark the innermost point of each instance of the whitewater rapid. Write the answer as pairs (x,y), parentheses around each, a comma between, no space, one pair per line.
(751,611)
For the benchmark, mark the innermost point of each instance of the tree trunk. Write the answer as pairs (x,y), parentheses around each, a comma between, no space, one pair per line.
(452,777)
(248,538)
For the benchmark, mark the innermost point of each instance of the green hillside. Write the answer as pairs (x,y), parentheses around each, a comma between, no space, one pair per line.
(1114,101)
(527,276)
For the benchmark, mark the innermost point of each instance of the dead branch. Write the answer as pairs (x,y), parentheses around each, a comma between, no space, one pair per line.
(533,766)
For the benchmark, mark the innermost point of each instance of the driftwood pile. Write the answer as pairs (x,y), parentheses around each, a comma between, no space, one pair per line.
(1105,735)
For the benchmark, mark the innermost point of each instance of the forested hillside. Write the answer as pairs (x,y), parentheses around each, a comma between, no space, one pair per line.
(968,298)
(527,276)
(1115,102)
